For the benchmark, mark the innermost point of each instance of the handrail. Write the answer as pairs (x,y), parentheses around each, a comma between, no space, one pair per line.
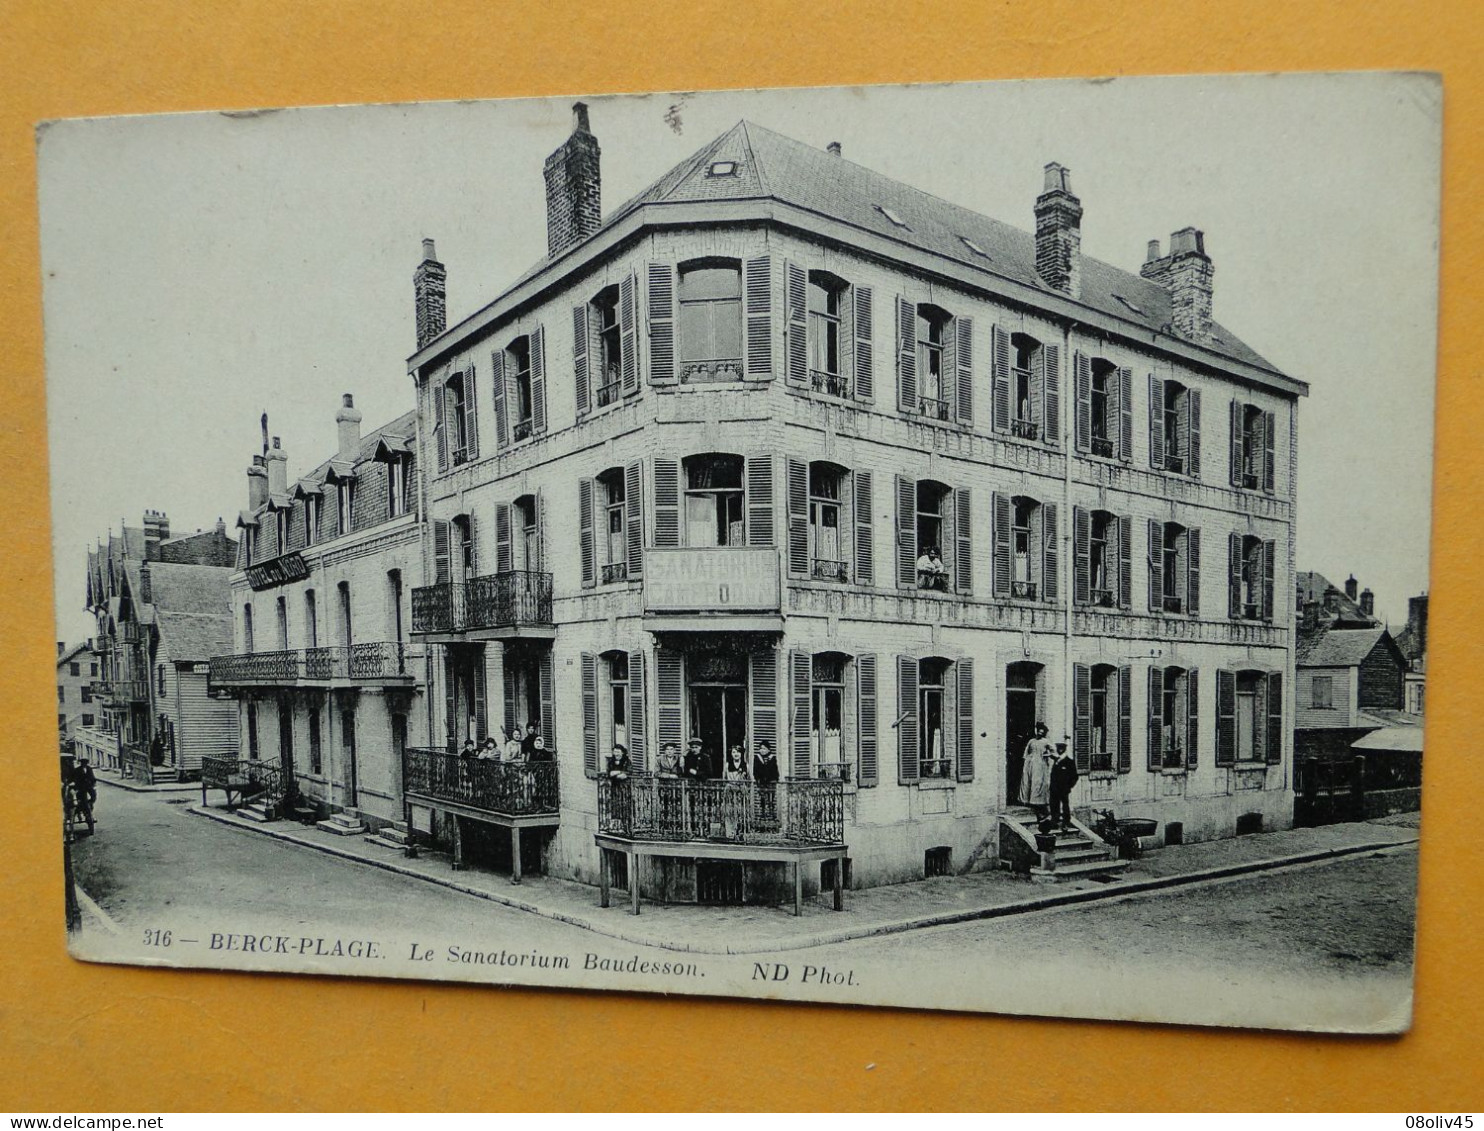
(512,788)
(645,807)
(500,600)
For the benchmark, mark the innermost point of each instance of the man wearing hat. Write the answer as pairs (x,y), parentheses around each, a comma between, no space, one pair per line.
(697,766)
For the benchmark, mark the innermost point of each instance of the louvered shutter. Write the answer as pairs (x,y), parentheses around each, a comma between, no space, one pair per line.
(471,414)
(1125,414)
(498,391)
(440,427)
(800,667)
(760,318)
(1269,558)
(760,500)
(585,539)
(1082,556)
(907,767)
(798,518)
(1269,439)
(538,381)
(865,379)
(906,533)
(481,711)
(1000,377)
(1156,423)
(666,502)
(548,700)
(638,734)
(1236,442)
(963,564)
(1050,553)
(628,338)
(1234,575)
(633,494)
(964,754)
(866,725)
(450,702)
(1156,718)
(1001,505)
(1226,718)
(1082,717)
(440,552)
(589,713)
(1192,718)
(1156,567)
(865,555)
(669,692)
(1193,571)
(661,324)
(1274,749)
(798,346)
(504,553)
(1193,429)
(906,356)
(964,362)
(579,358)
(1051,395)
(764,679)
(1125,750)
(509,696)
(472,566)
(1082,379)
(1125,527)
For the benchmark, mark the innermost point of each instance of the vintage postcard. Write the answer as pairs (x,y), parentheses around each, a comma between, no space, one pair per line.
(960,547)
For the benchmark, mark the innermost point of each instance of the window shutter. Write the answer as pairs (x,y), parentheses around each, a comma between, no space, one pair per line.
(540,531)
(1274,749)
(800,666)
(1226,718)
(589,713)
(1125,719)
(1051,553)
(798,518)
(1051,394)
(963,565)
(865,556)
(440,552)
(669,691)
(666,502)
(1156,718)
(760,318)
(798,345)
(1156,423)
(638,734)
(1234,575)
(628,341)
(1000,377)
(1001,504)
(764,673)
(1269,557)
(504,554)
(1192,718)
(1125,527)
(471,414)
(1156,566)
(579,358)
(906,356)
(1082,717)
(509,695)
(497,385)
(538,381)
(1193,571)
(865,379)
(964,360)
(1269,436)
(1082,556)
(907,729)
(548,703)
(1236,442)
(965,753)
(906,533)
(585,532)
(1193,429)
(760,500)
(473,545)
(661,324)
(633,494)
(866,726)
(481,711)
(1125,414)
(440,429)
(450,702)
(1082,379)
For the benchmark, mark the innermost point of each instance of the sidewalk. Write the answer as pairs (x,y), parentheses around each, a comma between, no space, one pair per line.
(873,911)
(114,778)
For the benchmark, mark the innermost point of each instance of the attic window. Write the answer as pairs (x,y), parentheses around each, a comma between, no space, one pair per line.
(974,247)
(892,216)
(1128,304)
(722,169)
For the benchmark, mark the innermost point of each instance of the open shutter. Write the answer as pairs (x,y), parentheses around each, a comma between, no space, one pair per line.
(764,679)
(1125,526)
(1050,553)
(1226,718)
(471,567)
(509,698)
(1156,423)
(760,500)
(666,502)
(865,556)
(669,691)
(1156,718)
(760,318)
(798,518)
(1125,414)
(865,376)
(548,700)
(1274,749)
(579,358)
(1269,438)
(450,704)
(1193,431)
(1236,442)
(906,533)
(1269,557)
(1234,575)
(963,562)
(1125,749)
(1193,571)
(800,669)
(585,540)
(481,711)
(589,713)
(538,381)
(440,552)
(1082,380)
(1082,556)
(1156,566)
(638,734)
(907,729)
(471,414)
(498,390)
(440,430)
(1082,717)
(1192,718)
(633,493)
(906,356)
(964,362)
(1051,395)
(965,751)
(1000,378)
(866,729)
(628,340)
(798,344)
(1001,504)
(504,555)
(661,324)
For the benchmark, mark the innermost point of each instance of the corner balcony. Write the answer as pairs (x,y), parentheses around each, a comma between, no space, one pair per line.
(720,588)
(120,692)
(376,663)
(498,606)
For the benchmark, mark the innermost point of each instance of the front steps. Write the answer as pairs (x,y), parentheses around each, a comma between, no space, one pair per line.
(393,836)
(342,824)
(1079,853)
(260,812)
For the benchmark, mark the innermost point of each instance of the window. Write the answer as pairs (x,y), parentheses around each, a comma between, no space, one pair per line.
(1102,560)
(827,297)
(1173,719)
(615,715)
(1252,569)
(456,418)
(933,759)
(827,550)
(933,326)
(518,370)
(92,669)
(463,539)
(892,216)
(281,529)
(250,543)
(87,719)
(346,492)
(1173,714)
(932,569)
(399,485)
(711,321)
(61,694)
(76,669)
(827,717)
(1176,438)
(160,679)
(86,693)
(1105,408)
(282,609)
(1322,693)
(1251,688)
(714,501)
(612,498)
(252,731)
(1103,691)
(316,755)
(1172,555)
(722,169)
(1251,444)
(526,515)
(311,623)
(346,626)
(1025,391)
(609,356)
(1174,427)
(1022,548)
(247,641)
(974,247)
(311,519)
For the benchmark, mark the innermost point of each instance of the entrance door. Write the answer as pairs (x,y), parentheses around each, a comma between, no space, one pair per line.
(718,717)
(286,748)
(1020,722)
(348,742)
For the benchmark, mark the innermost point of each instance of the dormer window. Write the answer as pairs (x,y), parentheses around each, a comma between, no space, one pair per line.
(399,485)
(722,169)
(345,492)
(311,519)
(281,529)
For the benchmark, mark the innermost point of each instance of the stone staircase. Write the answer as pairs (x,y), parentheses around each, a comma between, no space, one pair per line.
(260,811)
(393,836)
(1079,854)
(342,824)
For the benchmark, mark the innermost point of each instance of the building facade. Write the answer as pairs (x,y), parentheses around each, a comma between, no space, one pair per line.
(784,451)
(77,671)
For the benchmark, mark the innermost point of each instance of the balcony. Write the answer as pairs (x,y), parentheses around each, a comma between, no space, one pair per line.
(497,605)
(803,813)
(120,692)
(608,394)
(825,569)
(1102,446)
(1103,599)
(723,587)
(831,384)
(1025,429)
(375,662)
(935,769)
(522,430)
(507,790)
(615,571)
(1173,604)
(1023,590)
(932,408)
(711,372)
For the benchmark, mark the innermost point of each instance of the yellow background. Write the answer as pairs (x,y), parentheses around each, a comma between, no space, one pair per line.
(77,1038)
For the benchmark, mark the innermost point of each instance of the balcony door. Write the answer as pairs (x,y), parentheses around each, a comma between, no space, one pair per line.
(718,705)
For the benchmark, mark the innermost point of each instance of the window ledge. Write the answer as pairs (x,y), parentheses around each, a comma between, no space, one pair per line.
(1252,765)
(935,783)
(1173,771)
(1102,775)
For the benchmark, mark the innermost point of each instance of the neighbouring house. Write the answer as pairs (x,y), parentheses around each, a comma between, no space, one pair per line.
(1412,640)
(77,671)
(1350,682)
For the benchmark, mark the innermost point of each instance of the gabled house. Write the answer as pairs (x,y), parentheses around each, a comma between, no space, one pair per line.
(77,670)
(1350,683)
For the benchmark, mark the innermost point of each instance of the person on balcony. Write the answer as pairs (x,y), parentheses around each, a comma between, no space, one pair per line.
(539,752)
(931,572)
(510,752)
(469,750)
(669,763)
(619,765)
(697,765)
(736,764)
(528,741)
(489,752)
(765,774)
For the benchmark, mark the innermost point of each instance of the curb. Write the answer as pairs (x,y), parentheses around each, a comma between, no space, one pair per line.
(847,934)
(163,787)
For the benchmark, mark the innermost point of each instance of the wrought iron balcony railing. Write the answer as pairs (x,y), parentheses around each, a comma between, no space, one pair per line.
(1104,598)
(1173,604)
(643,807)
(522,430)
(1025,429)
(517,789)
(932,408)
(615,571)
(608,394)
(502,600)
(1023,590)
(834,771)
(706,372)
(827,570)
(383,659)
(938,768)
(833,384)
(1102,446)
(935,581)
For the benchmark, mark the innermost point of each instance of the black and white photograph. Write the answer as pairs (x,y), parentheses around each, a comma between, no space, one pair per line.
(956,547)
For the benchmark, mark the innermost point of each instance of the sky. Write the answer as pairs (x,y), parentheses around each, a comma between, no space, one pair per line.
(201,269)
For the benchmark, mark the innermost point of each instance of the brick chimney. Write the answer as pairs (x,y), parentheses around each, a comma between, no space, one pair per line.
(1417,622)
(1059,233)
(834,149)
(348,424)
(1368,603)
(257,483)
(430,296)
(278,470)
(574,187)
(1186,273)
(156,530)
(1352,587)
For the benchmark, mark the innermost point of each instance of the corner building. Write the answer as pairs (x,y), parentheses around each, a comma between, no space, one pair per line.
(699,457)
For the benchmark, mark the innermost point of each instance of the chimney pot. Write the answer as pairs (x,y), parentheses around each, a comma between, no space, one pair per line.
(1352,587)
(257,483)
(1368,602)
(1059,233)
(430,251)
(348,424)
(1153,252)
(579,118)
(429,296)
(834,149)
(278,470)
(1186,273)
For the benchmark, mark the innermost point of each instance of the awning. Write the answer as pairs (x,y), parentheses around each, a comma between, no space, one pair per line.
(1403,739)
